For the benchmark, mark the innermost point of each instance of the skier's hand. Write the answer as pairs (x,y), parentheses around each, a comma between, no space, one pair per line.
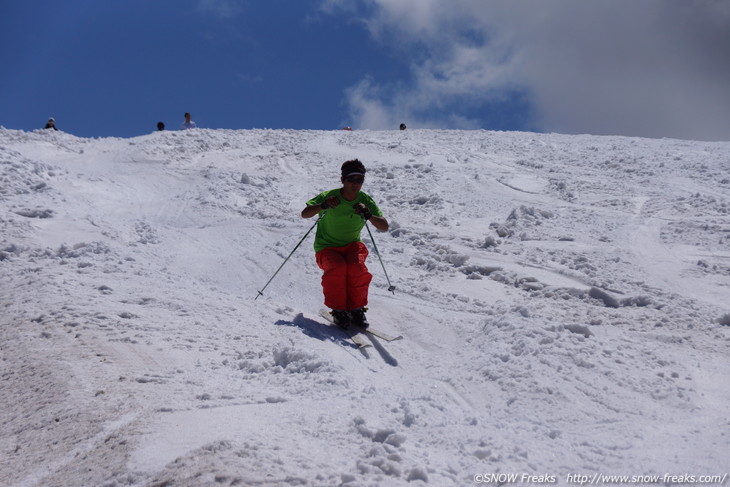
(331,202)
(363,211)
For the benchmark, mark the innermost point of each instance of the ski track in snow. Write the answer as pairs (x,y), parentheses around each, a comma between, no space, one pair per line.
(564,303)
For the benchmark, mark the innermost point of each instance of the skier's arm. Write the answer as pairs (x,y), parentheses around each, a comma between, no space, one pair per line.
(379,222)
(312,210)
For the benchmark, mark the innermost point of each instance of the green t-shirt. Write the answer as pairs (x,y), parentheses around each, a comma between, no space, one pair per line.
(340,225)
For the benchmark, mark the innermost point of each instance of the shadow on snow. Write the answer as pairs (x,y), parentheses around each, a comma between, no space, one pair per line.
(329,332)
(320,331)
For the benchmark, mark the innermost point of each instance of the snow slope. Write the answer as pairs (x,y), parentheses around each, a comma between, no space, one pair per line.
(564,302)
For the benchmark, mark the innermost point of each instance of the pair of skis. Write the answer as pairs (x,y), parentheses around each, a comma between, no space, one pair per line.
(357,334)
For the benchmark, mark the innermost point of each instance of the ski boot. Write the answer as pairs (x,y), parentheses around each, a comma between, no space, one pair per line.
(359,319)
(341,318)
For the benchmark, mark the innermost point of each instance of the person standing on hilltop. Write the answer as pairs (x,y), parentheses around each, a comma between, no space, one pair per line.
(338,249)
(189,124)
(51,124)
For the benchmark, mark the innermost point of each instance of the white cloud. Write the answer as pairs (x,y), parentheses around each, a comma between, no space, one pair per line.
(367,107)
(371,107)
(649,68)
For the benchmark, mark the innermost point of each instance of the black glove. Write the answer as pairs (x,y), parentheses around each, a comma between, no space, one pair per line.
(363,211)
(330,202)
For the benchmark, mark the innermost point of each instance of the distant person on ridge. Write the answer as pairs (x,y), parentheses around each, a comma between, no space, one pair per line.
(402,126)
(189,124)
(338,249)
(160,126)
(51,124)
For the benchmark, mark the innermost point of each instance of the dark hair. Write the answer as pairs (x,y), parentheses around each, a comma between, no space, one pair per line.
(402,126)
(351,166)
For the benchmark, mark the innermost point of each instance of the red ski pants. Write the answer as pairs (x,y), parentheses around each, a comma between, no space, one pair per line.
(346,278)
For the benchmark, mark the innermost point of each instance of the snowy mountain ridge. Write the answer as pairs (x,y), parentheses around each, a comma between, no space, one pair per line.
(563,301)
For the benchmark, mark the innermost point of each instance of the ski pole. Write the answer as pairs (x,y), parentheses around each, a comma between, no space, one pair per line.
(261,293)
(391,287)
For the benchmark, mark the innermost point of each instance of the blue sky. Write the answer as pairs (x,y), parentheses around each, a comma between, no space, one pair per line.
(655,68)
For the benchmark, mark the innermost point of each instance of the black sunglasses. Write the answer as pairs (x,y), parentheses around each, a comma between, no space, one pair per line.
(355,179)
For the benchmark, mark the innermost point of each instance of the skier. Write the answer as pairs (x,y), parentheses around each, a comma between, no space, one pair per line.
(338,249)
